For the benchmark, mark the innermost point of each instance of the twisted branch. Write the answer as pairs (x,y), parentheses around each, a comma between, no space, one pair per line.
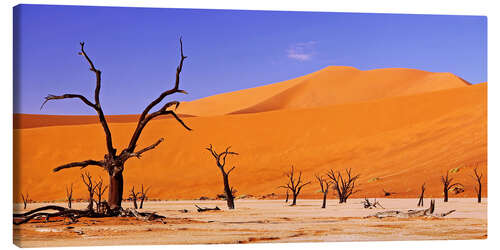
(144,118)
(81,164)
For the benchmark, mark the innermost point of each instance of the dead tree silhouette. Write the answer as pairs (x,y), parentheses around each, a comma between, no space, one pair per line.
(113,162)
(133,197)
(344,185)
(325,186)
(69,195)
(91,187)
(478,177)
(220,160)
(143,196)
(26,199)
(448,185)
(295,185)
(100,192)
(421,199)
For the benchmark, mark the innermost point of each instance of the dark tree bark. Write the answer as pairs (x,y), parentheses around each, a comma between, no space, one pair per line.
(448,185)
(69,195)
(478,177)
(220,160)
(421,199)
(343,185)
(294,184)
(325,186)
(113,163)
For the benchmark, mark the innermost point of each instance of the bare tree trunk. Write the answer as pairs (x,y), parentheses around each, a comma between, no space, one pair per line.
(479,193)
(133,196)
(294,202)
(421,199)
(324,199)
(115,194)
(287,195)
(445,191)
(227,190)
(69,195)
(478,189)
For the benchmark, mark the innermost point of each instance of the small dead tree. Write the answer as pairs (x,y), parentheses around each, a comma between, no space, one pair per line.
(368,204)
(421,199)
(26,199)
(478,177)
(325,186)
(448,185)
(387,193)
(69,194)
(143,196)
(133,197)
(91,187)
(343,185)
(100,192)
(294,184)
(287,196)
(220,160)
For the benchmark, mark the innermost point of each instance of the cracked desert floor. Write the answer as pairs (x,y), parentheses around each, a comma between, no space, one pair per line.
(261,221)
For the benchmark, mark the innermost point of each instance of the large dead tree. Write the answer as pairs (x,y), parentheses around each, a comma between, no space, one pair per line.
(294,184)
(448,185)
(325,186)
(344,185)
(114,162)
(220,160)
(478,177)
(421,199)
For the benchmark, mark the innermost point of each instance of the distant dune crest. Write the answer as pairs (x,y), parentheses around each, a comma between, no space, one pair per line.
(330,86)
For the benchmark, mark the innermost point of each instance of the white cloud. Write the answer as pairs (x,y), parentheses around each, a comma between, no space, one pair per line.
(301,51)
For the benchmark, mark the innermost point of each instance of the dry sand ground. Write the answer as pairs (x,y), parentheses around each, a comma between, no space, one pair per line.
(261,221)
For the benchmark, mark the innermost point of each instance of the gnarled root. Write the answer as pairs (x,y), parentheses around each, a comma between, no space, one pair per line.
(73,214)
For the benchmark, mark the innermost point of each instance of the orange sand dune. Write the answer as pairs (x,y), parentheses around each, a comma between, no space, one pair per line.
(329,86)
(34,121)
(395,143)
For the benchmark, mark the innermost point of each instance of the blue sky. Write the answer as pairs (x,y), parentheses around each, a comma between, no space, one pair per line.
(137,50)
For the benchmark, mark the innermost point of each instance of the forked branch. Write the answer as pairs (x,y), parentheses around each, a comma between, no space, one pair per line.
(96,106)
(145,118)
(138,154)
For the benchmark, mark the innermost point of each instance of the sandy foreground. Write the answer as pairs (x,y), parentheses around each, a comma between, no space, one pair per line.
(260,221)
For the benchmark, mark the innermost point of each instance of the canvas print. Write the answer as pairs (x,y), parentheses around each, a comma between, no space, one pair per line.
(140,126)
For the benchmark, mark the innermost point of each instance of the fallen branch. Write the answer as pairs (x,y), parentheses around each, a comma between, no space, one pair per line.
(426,213)
(204,209)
